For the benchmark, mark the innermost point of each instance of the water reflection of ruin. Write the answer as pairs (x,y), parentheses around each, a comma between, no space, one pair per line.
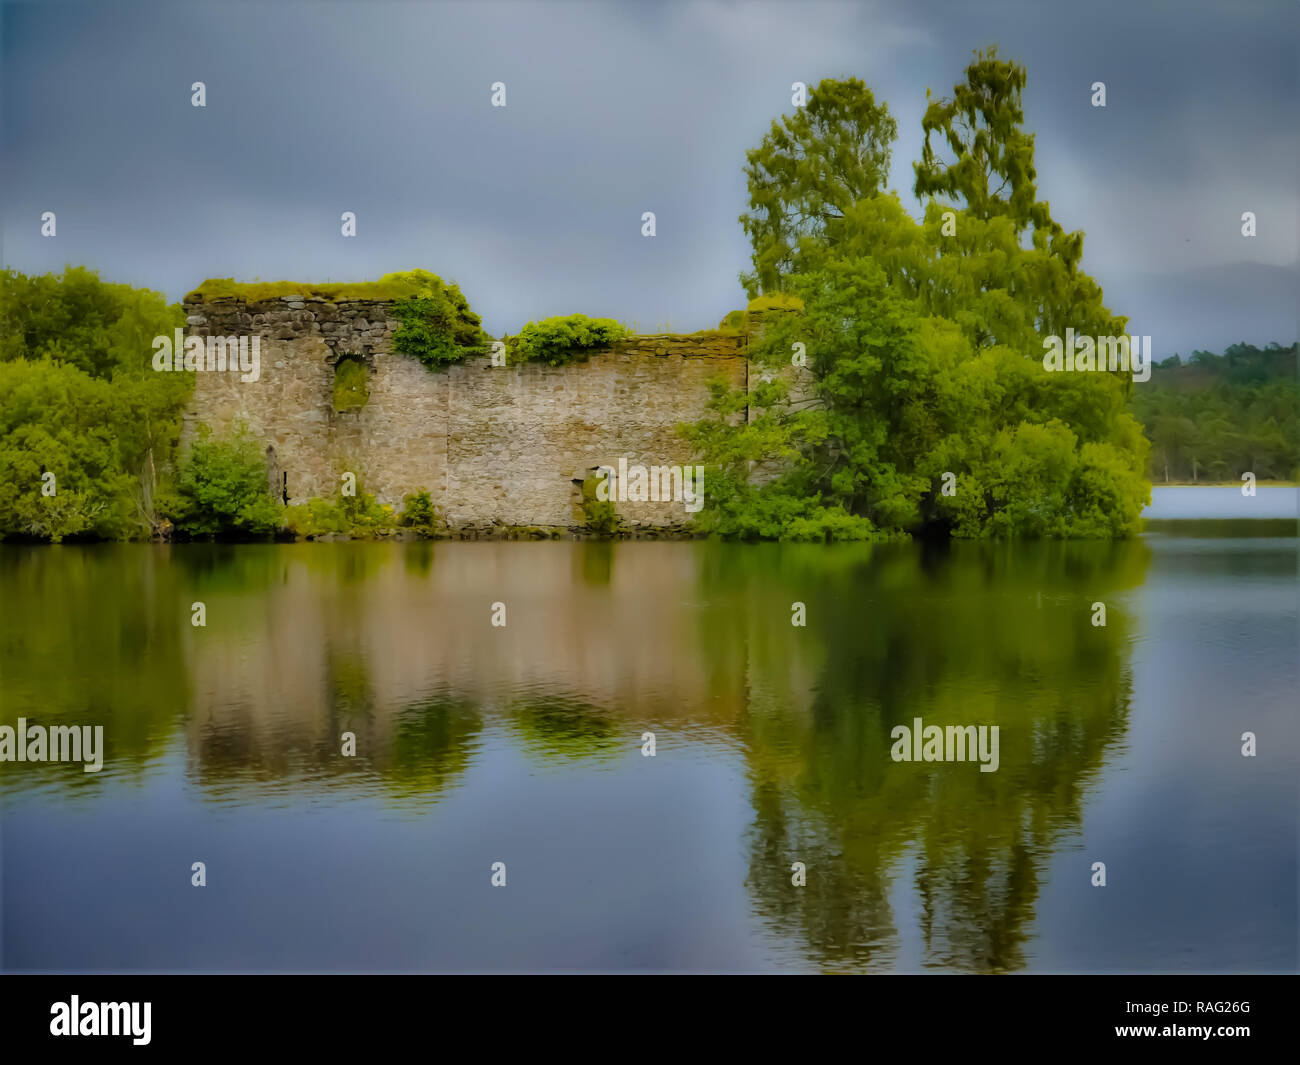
(304,644)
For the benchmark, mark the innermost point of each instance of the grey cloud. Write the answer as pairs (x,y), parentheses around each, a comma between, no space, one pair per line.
(614,109)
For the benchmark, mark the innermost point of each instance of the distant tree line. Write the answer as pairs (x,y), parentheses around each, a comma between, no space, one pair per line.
(1215,417)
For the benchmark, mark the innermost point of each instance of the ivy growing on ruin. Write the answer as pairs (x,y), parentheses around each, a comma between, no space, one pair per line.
(437,325)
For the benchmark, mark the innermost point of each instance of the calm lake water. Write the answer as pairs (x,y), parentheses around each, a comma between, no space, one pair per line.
(522,744)
(1212,502)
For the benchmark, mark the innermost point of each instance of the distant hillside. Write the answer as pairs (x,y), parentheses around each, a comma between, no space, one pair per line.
(1215,417)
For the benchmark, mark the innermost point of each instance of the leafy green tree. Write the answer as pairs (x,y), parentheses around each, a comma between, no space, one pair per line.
(78,320)
(990,182)
(1172,436)
(812,167)
(81,345)
(925,352)
(57,420)
(982,125)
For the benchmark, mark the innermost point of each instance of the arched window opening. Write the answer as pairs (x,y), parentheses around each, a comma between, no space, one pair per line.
(351,384)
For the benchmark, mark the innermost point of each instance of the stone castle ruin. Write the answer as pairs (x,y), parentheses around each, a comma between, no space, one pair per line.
(494,445)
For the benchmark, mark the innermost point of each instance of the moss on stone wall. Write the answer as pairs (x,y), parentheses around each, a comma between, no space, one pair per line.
(601,518)
(776,301)
(351,389)
(259,292)
(399,286)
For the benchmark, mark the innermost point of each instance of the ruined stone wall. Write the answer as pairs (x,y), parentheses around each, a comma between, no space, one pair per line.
(494,445)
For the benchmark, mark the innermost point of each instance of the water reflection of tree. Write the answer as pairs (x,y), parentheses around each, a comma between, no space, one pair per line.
(92,636)
(979,634)
(566,728)
(432,747)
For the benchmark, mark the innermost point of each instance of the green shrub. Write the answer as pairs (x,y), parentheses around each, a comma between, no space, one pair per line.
(733,323)
(570,338)
(358,516)
(601,517)
(262,516)
(222,488)
(396,286)
(419,513)
(438,326)
(316,517)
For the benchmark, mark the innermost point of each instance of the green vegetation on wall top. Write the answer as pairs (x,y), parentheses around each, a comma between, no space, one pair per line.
(438,326)
(389,287)
(567,338)
(738,321)
(776,301)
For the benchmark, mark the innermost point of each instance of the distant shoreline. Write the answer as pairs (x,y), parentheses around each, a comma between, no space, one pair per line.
(1221,484)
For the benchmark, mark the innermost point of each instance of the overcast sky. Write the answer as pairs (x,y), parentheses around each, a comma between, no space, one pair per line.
(383,108)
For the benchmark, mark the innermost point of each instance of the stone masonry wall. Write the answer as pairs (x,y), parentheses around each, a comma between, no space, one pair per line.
(494,445)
